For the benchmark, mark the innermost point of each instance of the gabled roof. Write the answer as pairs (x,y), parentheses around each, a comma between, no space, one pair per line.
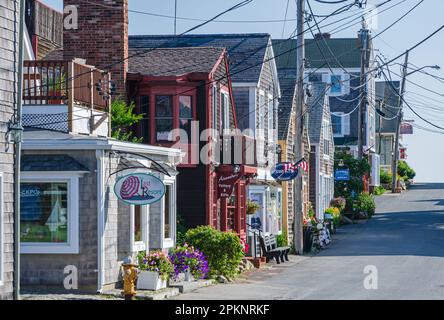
(246,52)
(173,61)
(316,104)
(346,53)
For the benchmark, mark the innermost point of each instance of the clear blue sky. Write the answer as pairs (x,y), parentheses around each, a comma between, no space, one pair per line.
(426,152)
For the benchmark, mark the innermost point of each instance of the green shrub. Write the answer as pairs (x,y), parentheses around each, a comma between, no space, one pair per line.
(379,190)
(282,239)
(365,203)
(385,177)
(223,249)
(405,171)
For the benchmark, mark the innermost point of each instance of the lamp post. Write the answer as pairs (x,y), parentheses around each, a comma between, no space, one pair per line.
(405,74)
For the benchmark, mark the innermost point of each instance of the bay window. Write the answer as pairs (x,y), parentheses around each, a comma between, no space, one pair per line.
(144,109)
(49,213)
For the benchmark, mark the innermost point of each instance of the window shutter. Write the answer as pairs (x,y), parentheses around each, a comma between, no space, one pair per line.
(346,124)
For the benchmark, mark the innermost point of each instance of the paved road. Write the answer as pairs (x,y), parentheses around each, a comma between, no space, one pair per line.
(404,241)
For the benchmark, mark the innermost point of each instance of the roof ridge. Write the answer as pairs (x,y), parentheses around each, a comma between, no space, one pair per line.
(197,35)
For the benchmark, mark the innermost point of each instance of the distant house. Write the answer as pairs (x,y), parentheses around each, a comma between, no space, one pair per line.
(176,89)
(287,115)
(321,150)
(388,103)
(256,93)
(337,62)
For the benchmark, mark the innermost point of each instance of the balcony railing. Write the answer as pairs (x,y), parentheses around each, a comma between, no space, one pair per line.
(62,82)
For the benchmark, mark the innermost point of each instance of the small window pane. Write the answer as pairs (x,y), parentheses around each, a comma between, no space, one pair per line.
(164,118)
(336,124)
(335,84)
(185,107)
(164,106)
(167,213)
(44,212)
(137,223)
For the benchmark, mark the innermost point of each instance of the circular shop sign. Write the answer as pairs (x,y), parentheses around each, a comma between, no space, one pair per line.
(139,189)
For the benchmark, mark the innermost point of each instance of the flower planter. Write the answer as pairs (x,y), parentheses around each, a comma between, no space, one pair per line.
(149,280)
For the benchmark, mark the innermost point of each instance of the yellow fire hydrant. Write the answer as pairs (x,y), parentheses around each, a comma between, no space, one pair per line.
(129,279)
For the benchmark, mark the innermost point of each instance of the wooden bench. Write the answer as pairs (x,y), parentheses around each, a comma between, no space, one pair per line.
(270,250)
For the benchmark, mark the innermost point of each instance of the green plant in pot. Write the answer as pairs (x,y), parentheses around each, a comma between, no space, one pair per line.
(252,207)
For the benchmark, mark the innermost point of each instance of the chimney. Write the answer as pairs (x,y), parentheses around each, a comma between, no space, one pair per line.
(101,37)
(325,35)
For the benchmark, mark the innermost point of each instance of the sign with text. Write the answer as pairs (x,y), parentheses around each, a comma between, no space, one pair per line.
(342,175)
(139,189)
(225,184)
(285,171)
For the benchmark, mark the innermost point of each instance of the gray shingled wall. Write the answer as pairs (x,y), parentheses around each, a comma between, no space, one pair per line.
(7,76)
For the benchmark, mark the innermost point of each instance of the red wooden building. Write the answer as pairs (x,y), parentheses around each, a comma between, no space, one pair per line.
(190,89)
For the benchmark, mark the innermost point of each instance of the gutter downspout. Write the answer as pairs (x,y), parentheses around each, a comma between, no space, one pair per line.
(17,150)
(100,220)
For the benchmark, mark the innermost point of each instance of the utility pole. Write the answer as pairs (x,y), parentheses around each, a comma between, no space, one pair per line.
(363,35)
(398,127)
(300,116)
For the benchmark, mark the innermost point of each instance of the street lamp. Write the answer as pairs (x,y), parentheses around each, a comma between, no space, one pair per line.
(398,128)
(436,67)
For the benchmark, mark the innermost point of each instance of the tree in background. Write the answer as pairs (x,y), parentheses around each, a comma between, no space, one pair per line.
(355,186)
(122,118)
(405,171)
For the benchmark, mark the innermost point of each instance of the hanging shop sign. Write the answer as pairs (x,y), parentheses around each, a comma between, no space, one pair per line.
(139,189)
(342,174)
(285,171)
(225,184)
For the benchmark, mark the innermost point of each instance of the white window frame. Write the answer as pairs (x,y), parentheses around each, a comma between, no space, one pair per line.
(137,246)
(169,242)
(224,96)
(261,120)
(326,138)
(345,124)
(270,118)
(72,179)
(2,233)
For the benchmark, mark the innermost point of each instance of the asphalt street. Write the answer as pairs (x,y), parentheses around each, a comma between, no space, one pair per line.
(401,248)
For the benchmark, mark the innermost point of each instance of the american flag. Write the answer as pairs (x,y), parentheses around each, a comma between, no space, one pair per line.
(301,164)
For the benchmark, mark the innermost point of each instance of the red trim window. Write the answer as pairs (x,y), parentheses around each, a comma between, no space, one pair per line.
(164,118)
(144,110)
(186,114)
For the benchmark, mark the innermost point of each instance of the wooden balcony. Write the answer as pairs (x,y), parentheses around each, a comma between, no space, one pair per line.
(237,149)
(66,89)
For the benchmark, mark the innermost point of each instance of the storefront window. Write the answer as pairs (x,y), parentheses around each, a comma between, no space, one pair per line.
(44,212)
(164,118)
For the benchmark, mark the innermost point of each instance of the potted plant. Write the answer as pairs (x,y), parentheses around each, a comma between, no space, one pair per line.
(252,207)
(189,261)
(57,89)
(154,270)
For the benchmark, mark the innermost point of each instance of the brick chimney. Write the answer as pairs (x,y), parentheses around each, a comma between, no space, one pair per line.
(101,37)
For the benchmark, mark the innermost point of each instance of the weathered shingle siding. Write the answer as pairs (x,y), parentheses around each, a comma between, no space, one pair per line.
(7,105)
(269,86)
